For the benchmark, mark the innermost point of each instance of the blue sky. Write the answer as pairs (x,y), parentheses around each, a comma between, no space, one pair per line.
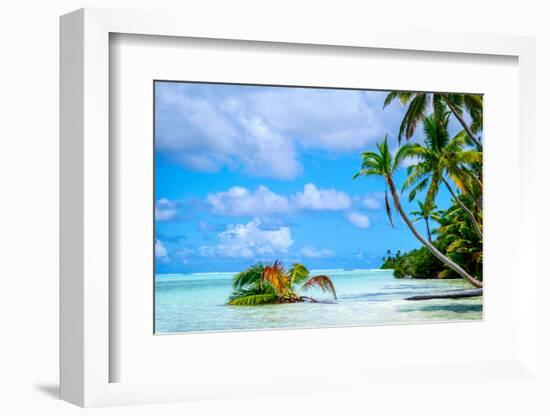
(253,173)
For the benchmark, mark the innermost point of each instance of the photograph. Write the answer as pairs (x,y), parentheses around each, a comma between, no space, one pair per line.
(301,207)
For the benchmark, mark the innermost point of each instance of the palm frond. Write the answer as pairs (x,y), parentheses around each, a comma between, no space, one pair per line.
(249,276)
(459,141)
(433,189)
(253,300)
(435,130)
(418,188)
(415,113)
(402,153)
(417,173)
(372,164)
(362,172)
(297,274)
(274,275)
(457,101)
(405,97)
(385,157)
(477,125)
(389,98)
(469,157)
(322,282)
(458,181)
(474,105)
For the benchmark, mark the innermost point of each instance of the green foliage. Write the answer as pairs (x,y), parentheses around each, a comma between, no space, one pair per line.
(417,264)
(298,274)
(454,162)
(456,239)
(459,239)
(250,276)
(253,300)
(383,163)
(439,158)
(419,103)
(389,261)
(269,283)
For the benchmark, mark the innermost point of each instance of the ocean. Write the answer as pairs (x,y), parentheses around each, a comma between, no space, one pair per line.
(196,302)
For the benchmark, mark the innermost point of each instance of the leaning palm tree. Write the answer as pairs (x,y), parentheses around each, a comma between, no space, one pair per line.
(383,164)
(442,160)
(427,211)
(419,106)
(270,283)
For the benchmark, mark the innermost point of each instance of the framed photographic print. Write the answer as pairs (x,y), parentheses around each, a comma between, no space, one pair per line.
(259,223)
(229,195)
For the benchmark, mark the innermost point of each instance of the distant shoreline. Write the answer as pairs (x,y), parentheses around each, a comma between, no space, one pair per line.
(232,273)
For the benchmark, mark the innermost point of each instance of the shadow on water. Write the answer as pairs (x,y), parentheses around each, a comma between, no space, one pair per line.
(375,296)
(455,308)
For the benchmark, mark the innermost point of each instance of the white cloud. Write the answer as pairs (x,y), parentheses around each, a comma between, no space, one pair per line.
(374,200)
(249,240)
(321,199)
(238,201)
(261,202)
(329,119)
(314,253)
(262,150)
(409,161)
(160,251)
(261,130)
(165,210)
(358,219)
(207,133)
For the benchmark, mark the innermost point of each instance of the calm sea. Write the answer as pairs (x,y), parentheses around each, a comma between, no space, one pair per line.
(196,302)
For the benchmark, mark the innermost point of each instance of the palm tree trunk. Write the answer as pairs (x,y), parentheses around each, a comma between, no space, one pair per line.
(447,261)
(463,122)
(459,294)
(465,208)
(428,230)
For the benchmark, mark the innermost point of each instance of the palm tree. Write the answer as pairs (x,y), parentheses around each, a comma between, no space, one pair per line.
(427,211)
(383,164)
(460,241)
(442,158)
(271,283)
(419,105)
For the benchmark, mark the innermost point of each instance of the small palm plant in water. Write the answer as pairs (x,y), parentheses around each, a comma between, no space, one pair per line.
(270,283)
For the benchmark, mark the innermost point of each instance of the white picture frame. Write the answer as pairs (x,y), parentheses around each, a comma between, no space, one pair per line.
(86,355)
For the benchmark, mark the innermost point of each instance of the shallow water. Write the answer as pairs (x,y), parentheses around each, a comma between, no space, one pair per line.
(196,302)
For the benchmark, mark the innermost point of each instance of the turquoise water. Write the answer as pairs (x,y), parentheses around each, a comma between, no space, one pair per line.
(196,302)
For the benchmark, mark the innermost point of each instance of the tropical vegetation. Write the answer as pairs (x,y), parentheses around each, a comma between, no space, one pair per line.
(270,283)
(417,264)
(427,211)
(455,237)
(420,103)
(439,161)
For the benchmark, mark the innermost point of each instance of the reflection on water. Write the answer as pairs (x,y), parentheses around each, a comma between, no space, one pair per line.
(196,302)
